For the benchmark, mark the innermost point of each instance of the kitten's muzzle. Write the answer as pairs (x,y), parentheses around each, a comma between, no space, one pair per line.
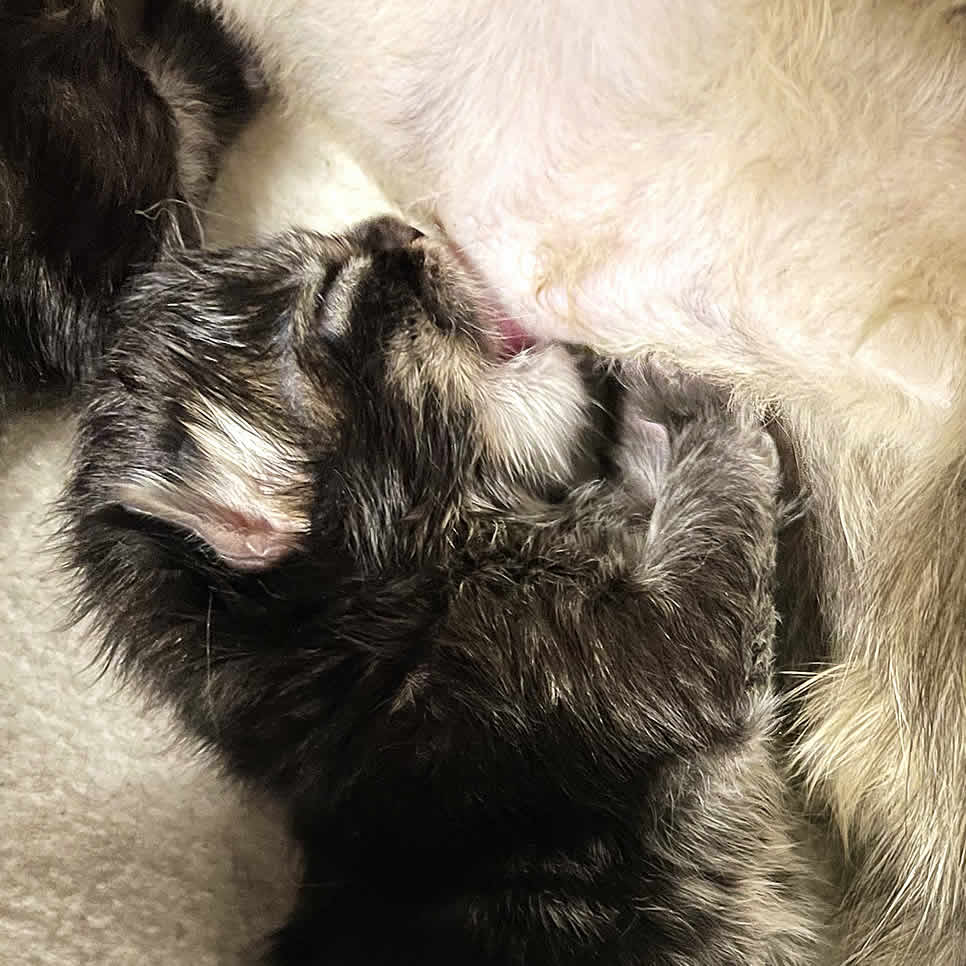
(500,336)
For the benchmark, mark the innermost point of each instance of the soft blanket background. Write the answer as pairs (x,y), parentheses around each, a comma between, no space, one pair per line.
(117,846)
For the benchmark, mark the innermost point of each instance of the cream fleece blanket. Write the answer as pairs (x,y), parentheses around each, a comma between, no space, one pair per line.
(117,846)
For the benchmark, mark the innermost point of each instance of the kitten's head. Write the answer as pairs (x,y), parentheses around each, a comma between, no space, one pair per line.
(348,396)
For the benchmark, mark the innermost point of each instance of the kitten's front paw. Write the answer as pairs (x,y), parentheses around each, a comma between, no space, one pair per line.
(664,401)
(679,396)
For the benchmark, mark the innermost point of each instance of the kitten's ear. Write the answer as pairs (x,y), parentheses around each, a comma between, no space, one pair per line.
(243,493)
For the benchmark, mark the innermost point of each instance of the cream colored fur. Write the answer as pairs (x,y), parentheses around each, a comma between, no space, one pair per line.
(776,192)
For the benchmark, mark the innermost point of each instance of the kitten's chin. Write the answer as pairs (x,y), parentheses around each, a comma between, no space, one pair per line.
(536,412)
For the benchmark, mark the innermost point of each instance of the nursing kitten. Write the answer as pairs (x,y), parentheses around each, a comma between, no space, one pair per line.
(510,680)
(106,147)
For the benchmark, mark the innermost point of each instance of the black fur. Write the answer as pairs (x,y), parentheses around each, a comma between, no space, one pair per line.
(92,160)
(515,717)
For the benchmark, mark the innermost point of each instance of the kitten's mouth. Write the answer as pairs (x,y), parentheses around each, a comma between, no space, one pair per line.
(513,338)
(505,336)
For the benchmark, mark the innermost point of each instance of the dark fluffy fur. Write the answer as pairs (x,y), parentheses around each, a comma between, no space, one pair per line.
(100,154)
(518,711)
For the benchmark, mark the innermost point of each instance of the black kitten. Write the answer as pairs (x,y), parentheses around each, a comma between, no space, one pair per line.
(105,146)
(518,712)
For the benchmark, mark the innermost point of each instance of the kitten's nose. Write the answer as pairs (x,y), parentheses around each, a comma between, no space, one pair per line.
(384,234)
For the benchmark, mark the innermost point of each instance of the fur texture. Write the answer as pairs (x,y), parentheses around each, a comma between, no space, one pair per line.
(773,193)
(105,148)
(511,680)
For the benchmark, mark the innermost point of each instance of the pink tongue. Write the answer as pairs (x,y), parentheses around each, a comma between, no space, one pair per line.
(515,339)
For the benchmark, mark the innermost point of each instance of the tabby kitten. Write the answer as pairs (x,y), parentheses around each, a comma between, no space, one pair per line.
(506,664)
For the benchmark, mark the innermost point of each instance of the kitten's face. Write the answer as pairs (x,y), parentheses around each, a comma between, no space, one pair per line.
(263,400)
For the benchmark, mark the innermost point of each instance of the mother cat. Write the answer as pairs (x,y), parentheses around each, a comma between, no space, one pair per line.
(774,191)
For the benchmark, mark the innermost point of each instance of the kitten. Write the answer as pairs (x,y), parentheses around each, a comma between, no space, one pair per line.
(511,682)
(106,147)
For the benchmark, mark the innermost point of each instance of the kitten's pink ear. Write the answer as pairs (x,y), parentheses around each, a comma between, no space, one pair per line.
(244,495)
(245,530)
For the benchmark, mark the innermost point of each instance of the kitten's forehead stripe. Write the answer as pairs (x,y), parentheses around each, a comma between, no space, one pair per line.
(335,307)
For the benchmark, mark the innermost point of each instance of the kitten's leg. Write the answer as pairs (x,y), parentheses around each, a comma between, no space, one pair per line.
(683,628)
(700,574)
(733,886)
(677,688)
